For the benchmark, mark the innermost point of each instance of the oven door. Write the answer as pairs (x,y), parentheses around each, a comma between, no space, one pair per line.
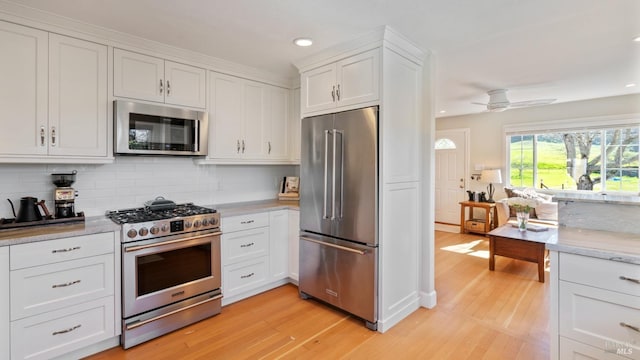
(166,270)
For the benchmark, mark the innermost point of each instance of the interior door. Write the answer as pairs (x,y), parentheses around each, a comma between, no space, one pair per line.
(450,184)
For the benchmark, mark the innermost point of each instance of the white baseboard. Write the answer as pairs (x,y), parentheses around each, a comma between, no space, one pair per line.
(393,319)
(447,228)
(428,300)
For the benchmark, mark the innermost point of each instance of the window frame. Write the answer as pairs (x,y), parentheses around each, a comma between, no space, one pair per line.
(557,126)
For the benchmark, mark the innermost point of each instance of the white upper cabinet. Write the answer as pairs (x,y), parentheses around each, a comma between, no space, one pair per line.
(77,97)
(249,121)
(145,77)
(353,80)
(23,94)
(54,97)
(294,126)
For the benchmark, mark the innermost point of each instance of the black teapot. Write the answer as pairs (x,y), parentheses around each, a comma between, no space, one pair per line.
(29,209)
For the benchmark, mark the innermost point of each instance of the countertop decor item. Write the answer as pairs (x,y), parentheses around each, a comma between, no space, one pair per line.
(523,207)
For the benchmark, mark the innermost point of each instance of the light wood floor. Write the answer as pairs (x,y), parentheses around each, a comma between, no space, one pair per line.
(481,314)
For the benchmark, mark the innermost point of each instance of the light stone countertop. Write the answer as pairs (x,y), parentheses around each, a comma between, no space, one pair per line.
(91,225)
(100,224)
(597,198)
(252,207)
(609,245)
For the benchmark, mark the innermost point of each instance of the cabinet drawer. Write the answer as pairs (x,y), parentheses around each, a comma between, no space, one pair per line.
(601,273)
(573,350)
(595,316)
(244,245)
(44,288)
(475,225)
(52,334)
(244,276)
(52,251)
(244,222)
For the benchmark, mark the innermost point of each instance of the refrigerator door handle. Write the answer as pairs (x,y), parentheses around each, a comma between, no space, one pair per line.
(333,177)
(341,170)
(340,247)
(325,215)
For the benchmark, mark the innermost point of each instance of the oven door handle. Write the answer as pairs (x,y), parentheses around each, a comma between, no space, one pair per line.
(144,322)
(141,247)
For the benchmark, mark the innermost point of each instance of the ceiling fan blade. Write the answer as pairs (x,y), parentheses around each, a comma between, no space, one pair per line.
(532,102)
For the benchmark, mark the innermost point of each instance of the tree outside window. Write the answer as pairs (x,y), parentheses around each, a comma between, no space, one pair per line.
(591,160)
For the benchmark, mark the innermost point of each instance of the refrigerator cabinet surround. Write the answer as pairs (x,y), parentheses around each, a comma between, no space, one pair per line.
(341,273)
(339,211)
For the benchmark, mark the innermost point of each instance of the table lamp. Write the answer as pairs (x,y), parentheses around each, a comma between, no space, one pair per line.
(491,176)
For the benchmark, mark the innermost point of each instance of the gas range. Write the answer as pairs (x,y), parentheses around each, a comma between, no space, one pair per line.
(144,223)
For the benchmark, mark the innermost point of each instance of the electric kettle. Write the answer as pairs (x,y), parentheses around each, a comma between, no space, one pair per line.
(29,209)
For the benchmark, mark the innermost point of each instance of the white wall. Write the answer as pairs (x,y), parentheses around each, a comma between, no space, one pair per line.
(131,181)
(487,141)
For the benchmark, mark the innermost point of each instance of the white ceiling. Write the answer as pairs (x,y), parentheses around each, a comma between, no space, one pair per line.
(564,49)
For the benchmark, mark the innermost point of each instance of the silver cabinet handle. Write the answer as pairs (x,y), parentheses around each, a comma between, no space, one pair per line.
(65,250)
(65,285)
(161,87)
(246,276)
(634,328)
(338,92)
(340,247)
(333,93)
(168,88)
(42,136)
(247,245)
(66,330)
(243,146)
(238,146)
(269,142)
(630,279)
(53,136)
(247,222)
(325,215)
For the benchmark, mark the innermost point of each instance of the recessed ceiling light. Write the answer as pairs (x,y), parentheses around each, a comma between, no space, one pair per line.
(637,38)
(303,41)
(443,111)
(630,85)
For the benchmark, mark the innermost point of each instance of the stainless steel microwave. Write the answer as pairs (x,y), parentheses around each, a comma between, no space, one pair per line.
(145,129)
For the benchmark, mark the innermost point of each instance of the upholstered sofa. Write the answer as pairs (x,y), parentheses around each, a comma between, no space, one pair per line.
(546,212)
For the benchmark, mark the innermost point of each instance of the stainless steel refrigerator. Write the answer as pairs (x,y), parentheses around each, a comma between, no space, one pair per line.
(339,211)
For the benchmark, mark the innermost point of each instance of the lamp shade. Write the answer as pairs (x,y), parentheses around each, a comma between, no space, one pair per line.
(491,176)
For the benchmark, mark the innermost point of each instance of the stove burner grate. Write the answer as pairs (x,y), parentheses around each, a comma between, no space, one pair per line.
(136,215)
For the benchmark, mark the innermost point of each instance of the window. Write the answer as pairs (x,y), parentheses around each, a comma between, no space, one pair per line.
(592,159)
(444,144)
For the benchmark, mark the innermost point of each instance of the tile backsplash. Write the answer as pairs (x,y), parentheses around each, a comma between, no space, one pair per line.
(130,181)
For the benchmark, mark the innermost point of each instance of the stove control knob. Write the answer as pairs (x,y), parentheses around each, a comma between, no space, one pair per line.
(164,228)
(132,233)
(143,231)
(205,222)
(196,224)
(187,224)
(154,230)
(213,221)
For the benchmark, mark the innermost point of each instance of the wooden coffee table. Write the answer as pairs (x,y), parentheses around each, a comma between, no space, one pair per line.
(508,241)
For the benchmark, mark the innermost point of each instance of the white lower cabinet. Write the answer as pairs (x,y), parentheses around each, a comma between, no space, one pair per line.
(255,253)
(62,293)
(597,306)
(4,303)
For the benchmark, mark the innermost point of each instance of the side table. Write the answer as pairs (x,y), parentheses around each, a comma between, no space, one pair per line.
(490,216)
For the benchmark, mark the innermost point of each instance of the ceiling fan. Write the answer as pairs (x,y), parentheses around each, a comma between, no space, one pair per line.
(498,101)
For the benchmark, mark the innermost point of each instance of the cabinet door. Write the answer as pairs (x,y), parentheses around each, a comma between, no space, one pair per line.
(254,118)
(138,76)
(294,126)
(318,89)
(277,124)
(77,97)
(23,94)
(225,116)
(294,247)
(4,302)
(279,244)
(359,78)
(185,85)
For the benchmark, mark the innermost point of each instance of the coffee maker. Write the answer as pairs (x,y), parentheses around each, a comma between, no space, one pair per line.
(64,195)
